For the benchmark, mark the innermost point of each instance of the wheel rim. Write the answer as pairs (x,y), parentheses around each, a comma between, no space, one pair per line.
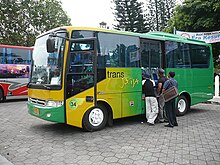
(96,117)
(181,105)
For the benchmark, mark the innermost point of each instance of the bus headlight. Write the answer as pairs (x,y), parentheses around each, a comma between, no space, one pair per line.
(54,103)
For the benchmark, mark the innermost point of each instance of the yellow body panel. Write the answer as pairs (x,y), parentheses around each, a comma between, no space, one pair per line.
(46,94)
(76,107)
(114,100)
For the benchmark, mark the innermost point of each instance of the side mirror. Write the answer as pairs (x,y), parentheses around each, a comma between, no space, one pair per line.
(50,45)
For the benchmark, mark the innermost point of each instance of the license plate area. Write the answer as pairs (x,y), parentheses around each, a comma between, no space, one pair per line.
(36,111)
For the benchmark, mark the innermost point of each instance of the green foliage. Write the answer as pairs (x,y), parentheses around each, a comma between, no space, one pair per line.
(129,15)
(22,20)
(132,16)
(158,13)
(199,15)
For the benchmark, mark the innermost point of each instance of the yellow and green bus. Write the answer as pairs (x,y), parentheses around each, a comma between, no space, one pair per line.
(87,77)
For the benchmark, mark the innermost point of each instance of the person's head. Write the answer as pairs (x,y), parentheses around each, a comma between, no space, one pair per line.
(171,74)
(147,75)
(161,72)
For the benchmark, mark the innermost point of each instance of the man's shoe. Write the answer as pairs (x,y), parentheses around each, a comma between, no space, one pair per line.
(156,121)
(166,121)
(176,124)
(150,124)
(168,125)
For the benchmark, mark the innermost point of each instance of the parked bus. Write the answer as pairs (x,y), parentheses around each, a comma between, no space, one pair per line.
(14,70)
(86,77)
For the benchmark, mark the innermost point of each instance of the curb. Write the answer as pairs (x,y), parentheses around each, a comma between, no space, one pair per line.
(4,161)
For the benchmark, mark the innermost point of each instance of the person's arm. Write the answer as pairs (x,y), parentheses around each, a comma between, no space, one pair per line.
(165,86)
(159,88)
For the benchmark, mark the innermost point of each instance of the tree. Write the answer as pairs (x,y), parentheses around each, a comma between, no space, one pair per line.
(22,20)
(158,13)
(199,15)
(129,15)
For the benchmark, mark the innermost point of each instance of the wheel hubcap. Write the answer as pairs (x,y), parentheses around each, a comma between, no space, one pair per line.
(96,117)
(181,105)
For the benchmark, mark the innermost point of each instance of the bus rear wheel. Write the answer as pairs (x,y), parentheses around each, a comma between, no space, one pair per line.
(95,118)
(2,97)
(182,105)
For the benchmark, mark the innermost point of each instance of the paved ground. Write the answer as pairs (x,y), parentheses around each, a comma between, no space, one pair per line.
(26,140)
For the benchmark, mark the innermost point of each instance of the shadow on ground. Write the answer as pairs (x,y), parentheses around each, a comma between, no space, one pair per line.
(59,128)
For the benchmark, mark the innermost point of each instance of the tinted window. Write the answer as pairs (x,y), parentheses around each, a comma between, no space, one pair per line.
(200,56)
(81,62)
(18,56)
(81,71)
(14,63)
(150,53)
(183,60)
(2,55)
(177,55)
(80,76)
(117,51)
(82,34)
(77,83)
(82,46)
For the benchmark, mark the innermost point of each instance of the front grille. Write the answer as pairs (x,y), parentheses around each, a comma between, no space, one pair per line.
(37,101)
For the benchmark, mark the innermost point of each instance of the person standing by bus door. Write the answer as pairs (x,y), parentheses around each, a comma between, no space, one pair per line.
(161,113)
(150,100)
(170,106)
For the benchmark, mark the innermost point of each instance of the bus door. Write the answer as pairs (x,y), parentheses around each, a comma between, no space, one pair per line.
(81,79)
(151,55)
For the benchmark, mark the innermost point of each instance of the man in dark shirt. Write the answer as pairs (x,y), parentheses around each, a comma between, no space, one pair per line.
(150,100)
(170,106)
(161,114)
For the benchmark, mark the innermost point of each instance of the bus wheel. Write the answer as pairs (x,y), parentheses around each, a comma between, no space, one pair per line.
(182,105)
(2,97)
(95,118)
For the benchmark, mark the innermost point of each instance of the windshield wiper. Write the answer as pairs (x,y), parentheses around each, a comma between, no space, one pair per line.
(47,87)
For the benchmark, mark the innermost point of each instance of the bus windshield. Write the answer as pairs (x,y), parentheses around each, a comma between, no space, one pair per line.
(47,67)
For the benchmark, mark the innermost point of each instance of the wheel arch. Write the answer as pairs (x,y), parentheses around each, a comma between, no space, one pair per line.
(1,88)
(187,97)
(109,111)
(3,92)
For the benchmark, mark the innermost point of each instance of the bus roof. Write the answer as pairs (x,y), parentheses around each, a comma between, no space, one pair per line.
(16,47)
(162,36)
(171,36)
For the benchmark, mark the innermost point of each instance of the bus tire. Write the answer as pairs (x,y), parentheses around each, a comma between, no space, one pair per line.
(182,105)
(2,97)
(95,118)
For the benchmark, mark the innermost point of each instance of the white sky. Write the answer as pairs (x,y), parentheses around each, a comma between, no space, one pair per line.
(90,13)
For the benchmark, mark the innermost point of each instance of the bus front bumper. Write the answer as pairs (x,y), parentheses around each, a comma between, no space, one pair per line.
(54,114)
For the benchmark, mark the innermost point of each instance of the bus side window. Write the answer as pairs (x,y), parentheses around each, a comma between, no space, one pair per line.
(76,63)
(177,55)
(200,56)
(150,53)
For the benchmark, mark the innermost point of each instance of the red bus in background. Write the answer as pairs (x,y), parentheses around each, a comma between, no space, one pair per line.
(15,63)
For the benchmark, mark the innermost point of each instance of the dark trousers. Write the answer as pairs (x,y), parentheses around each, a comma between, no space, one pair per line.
(171,112)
